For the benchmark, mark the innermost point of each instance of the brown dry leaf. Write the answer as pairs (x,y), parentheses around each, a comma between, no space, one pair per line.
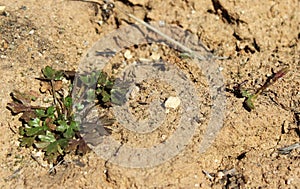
(79,146)
(46,86)
(58,85)
(17,108)
(22,97)
(50,124)
(28,115)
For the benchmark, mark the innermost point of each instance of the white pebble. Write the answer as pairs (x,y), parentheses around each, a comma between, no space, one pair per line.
(127,54)
(172,102)
(31,32)
(2,8)
(155,56)
(134,92)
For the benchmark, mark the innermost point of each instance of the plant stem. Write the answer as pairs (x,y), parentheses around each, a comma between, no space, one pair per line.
(271,80)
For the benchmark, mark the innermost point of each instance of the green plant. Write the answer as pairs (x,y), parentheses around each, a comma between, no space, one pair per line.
(251,97)
(51,129)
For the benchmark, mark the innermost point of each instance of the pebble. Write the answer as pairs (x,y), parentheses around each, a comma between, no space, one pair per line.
(134,92)
(172,102)
(127,54)
(2,9)
(220,175)
(162,23)
(31,32)
(155,56)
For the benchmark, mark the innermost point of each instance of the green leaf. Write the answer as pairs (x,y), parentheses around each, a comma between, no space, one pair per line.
(74,125)
(52,74)
(109,84)
(89,80)
(58,75)
(52,148)
(22,130)
(249,103)
(69,133)
(91,95)
(93,78)
(50,111)
(68,102)
(34,122)
(56,147)
(62,126)
(185,56)
(105,96)
(41,145)
(26,141)
(84,79)
(49,137)
(79,106)
(48,72)
(63,142)
(102,79)
(34,131)
(245,93)
(60,150)
(40,113)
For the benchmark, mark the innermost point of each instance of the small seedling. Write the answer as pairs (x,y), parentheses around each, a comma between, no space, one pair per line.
(249,97)
(53,129)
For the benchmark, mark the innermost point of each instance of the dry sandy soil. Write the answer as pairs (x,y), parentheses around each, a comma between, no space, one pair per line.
(257,36)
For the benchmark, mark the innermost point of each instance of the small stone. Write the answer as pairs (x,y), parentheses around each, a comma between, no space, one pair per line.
(144,59)
(100,22)
(155,56)
(172,102)
(134,92)
(164,137)
(220,175)
(162,23)
(154,47)
(31,32)
(127,54)
(289,181)
(2,9)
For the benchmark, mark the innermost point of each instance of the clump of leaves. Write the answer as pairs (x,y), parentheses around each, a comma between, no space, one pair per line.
(52,129)
(100,87)
(251,97)
(103,86)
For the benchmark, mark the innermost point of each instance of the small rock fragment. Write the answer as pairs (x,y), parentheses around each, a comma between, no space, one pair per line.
(172,102)
(155,56)
(31,32)
(127,54)
(134,92)
(2,9)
